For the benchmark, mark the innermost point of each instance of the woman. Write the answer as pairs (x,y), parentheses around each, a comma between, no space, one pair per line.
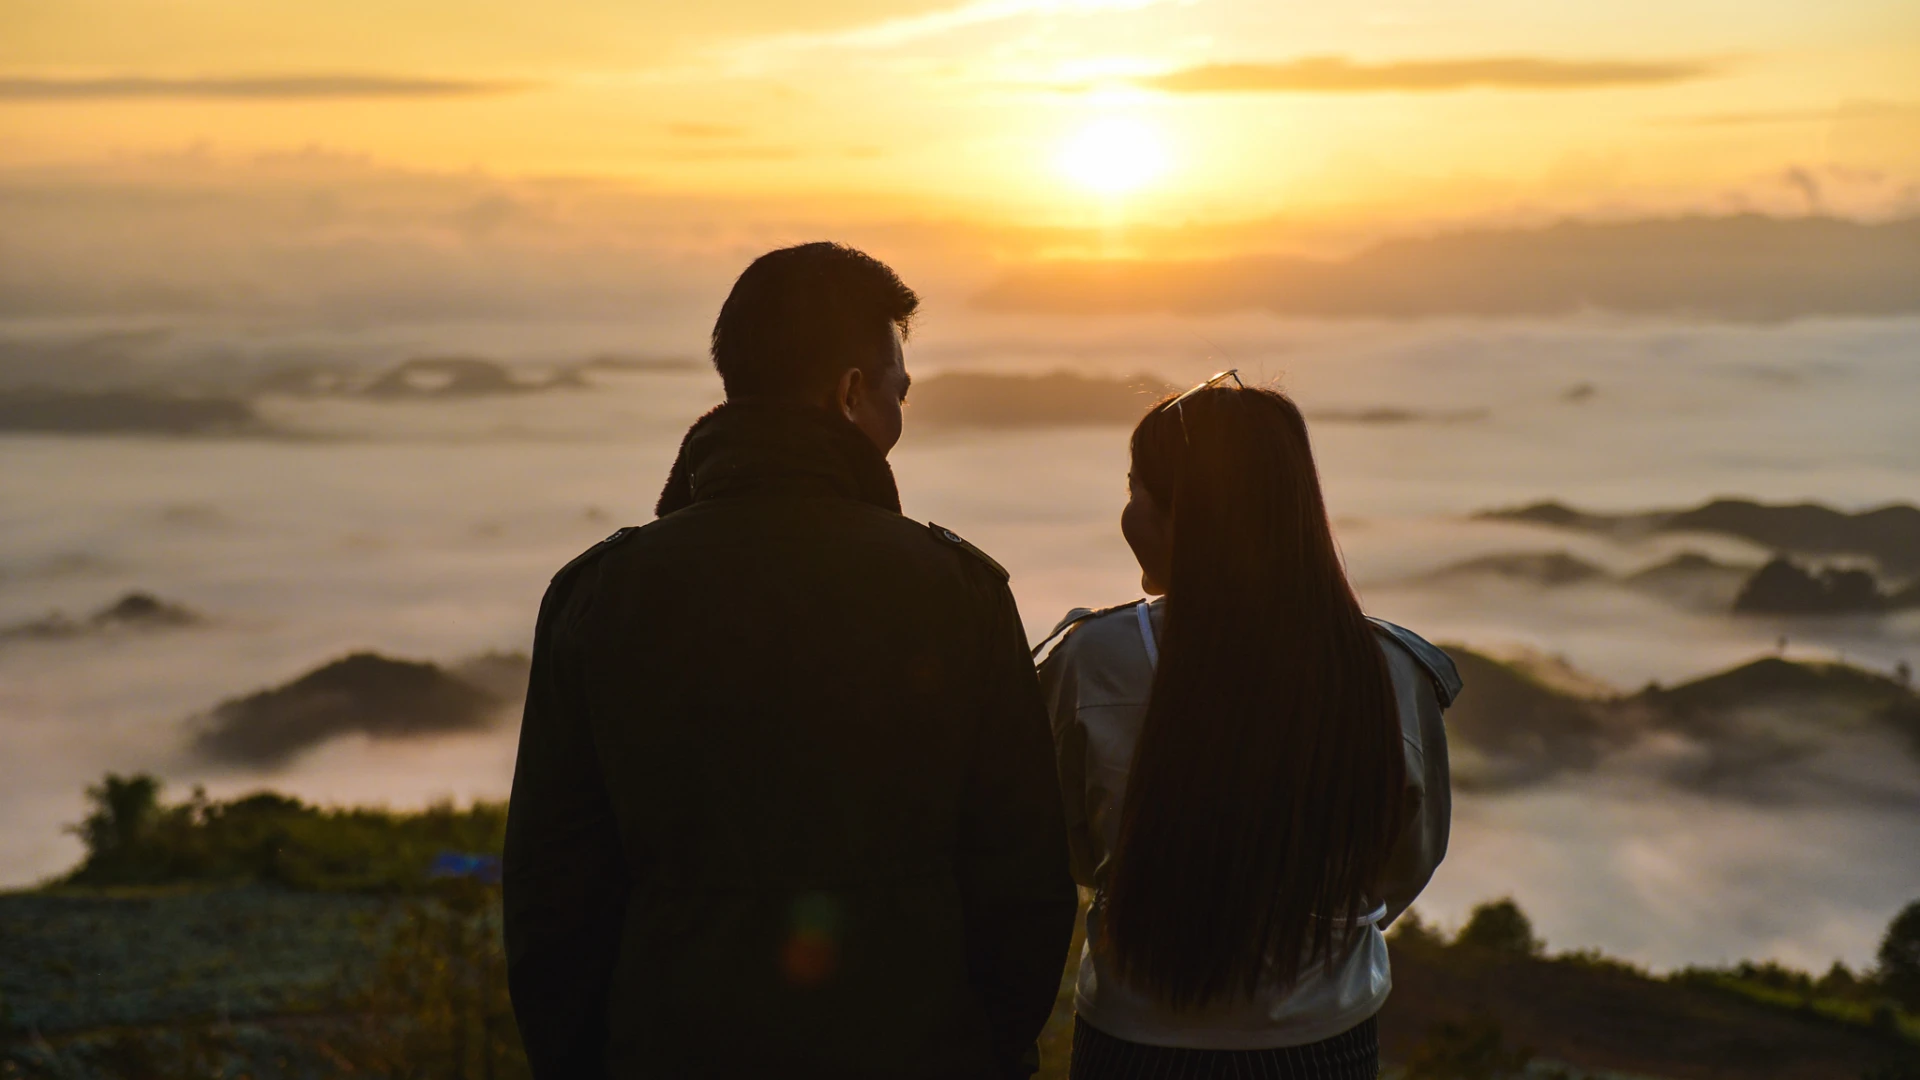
(1255,773)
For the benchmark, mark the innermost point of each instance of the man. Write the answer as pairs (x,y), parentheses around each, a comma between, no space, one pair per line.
(785,800)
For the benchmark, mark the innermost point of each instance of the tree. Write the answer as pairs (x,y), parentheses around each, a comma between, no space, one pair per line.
(1900,957)
(1411,930)
(125,811)
(1838,982)
(1500,926)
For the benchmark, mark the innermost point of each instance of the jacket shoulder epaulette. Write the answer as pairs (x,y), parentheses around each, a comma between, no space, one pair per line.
(594,552)
(1439,666)
(952,539)
(1075,618)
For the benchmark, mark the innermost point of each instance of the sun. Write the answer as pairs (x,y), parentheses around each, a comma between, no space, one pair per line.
(1113,156)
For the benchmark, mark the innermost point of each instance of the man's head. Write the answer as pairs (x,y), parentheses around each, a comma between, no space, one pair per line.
(820,323)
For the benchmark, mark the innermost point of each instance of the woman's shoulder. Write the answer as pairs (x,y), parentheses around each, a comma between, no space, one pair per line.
(1088,630)
(1429,658)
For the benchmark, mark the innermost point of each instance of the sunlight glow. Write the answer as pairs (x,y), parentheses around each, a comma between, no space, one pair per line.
(1113,156)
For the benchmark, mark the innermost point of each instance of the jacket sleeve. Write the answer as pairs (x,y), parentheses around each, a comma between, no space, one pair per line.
(563,875)
(1012,852)
(1059,688)
(1428,818)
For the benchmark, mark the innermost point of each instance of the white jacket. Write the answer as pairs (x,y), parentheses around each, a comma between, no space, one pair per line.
(1097,682)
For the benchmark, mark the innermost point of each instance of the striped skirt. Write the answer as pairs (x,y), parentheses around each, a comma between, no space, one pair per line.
(1353,1054)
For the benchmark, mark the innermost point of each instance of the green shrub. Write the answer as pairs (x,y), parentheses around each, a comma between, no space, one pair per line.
(437,1007)
(1899,958)
(1500,926)
(133,838)
(1411,930)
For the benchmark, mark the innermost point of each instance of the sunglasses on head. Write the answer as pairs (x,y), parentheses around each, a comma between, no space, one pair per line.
(1216,380)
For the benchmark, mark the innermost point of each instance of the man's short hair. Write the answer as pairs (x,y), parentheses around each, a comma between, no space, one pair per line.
(800,316)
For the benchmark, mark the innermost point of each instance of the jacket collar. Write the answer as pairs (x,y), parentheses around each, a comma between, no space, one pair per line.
(760,447)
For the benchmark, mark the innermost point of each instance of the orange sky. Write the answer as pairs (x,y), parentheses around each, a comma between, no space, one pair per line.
(1018,111)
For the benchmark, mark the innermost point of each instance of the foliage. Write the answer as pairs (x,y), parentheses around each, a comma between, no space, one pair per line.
(118,831)
(1410,930)
(1500,926)
(437,1007)
(407,978)
(1470,1049)
(1841,982)
(415,989)
(133,838)
(1839,996)
(1595,960)
(1899,957)
(1776,983)
(1785,983)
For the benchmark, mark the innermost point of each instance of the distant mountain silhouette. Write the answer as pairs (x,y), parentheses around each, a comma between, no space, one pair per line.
(1890,535)
(1692,579)
(1061,399)
(1744,267)
(1751,730)
(135,610)
(460,376)
(34,409)
(363,693)
(502,674)
(649,365)
(1510,729)
(1385,415)
(430,377)
(1773,681)
(980,399)
(1784,587)
(1765,721)
(1550,568)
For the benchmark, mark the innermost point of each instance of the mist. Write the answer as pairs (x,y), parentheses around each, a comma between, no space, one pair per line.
(424,528)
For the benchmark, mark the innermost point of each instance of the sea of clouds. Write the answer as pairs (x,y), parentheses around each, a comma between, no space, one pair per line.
(427,529)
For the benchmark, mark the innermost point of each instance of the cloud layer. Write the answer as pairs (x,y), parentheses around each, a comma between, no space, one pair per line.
(1335,74)
(252,88)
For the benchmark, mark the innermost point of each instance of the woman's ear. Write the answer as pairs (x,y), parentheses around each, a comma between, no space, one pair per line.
(1148,529)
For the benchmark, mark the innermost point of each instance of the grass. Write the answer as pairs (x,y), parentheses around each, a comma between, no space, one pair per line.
(273,940)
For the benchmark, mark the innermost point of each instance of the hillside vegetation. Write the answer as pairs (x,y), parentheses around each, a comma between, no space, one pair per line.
(266,938)
(133,839)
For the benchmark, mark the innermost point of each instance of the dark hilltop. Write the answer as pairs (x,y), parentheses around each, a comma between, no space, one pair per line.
(1889,534)
(133,412)
(364,693)
(1826,561)
(1771,729)
(133,611)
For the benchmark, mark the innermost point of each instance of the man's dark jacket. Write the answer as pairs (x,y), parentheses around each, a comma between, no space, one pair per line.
(785,800)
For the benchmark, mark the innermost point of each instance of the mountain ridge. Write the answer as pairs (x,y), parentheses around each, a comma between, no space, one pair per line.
(1743,268)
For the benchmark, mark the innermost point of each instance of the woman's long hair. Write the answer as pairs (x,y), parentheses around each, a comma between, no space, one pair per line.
(1265,793)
